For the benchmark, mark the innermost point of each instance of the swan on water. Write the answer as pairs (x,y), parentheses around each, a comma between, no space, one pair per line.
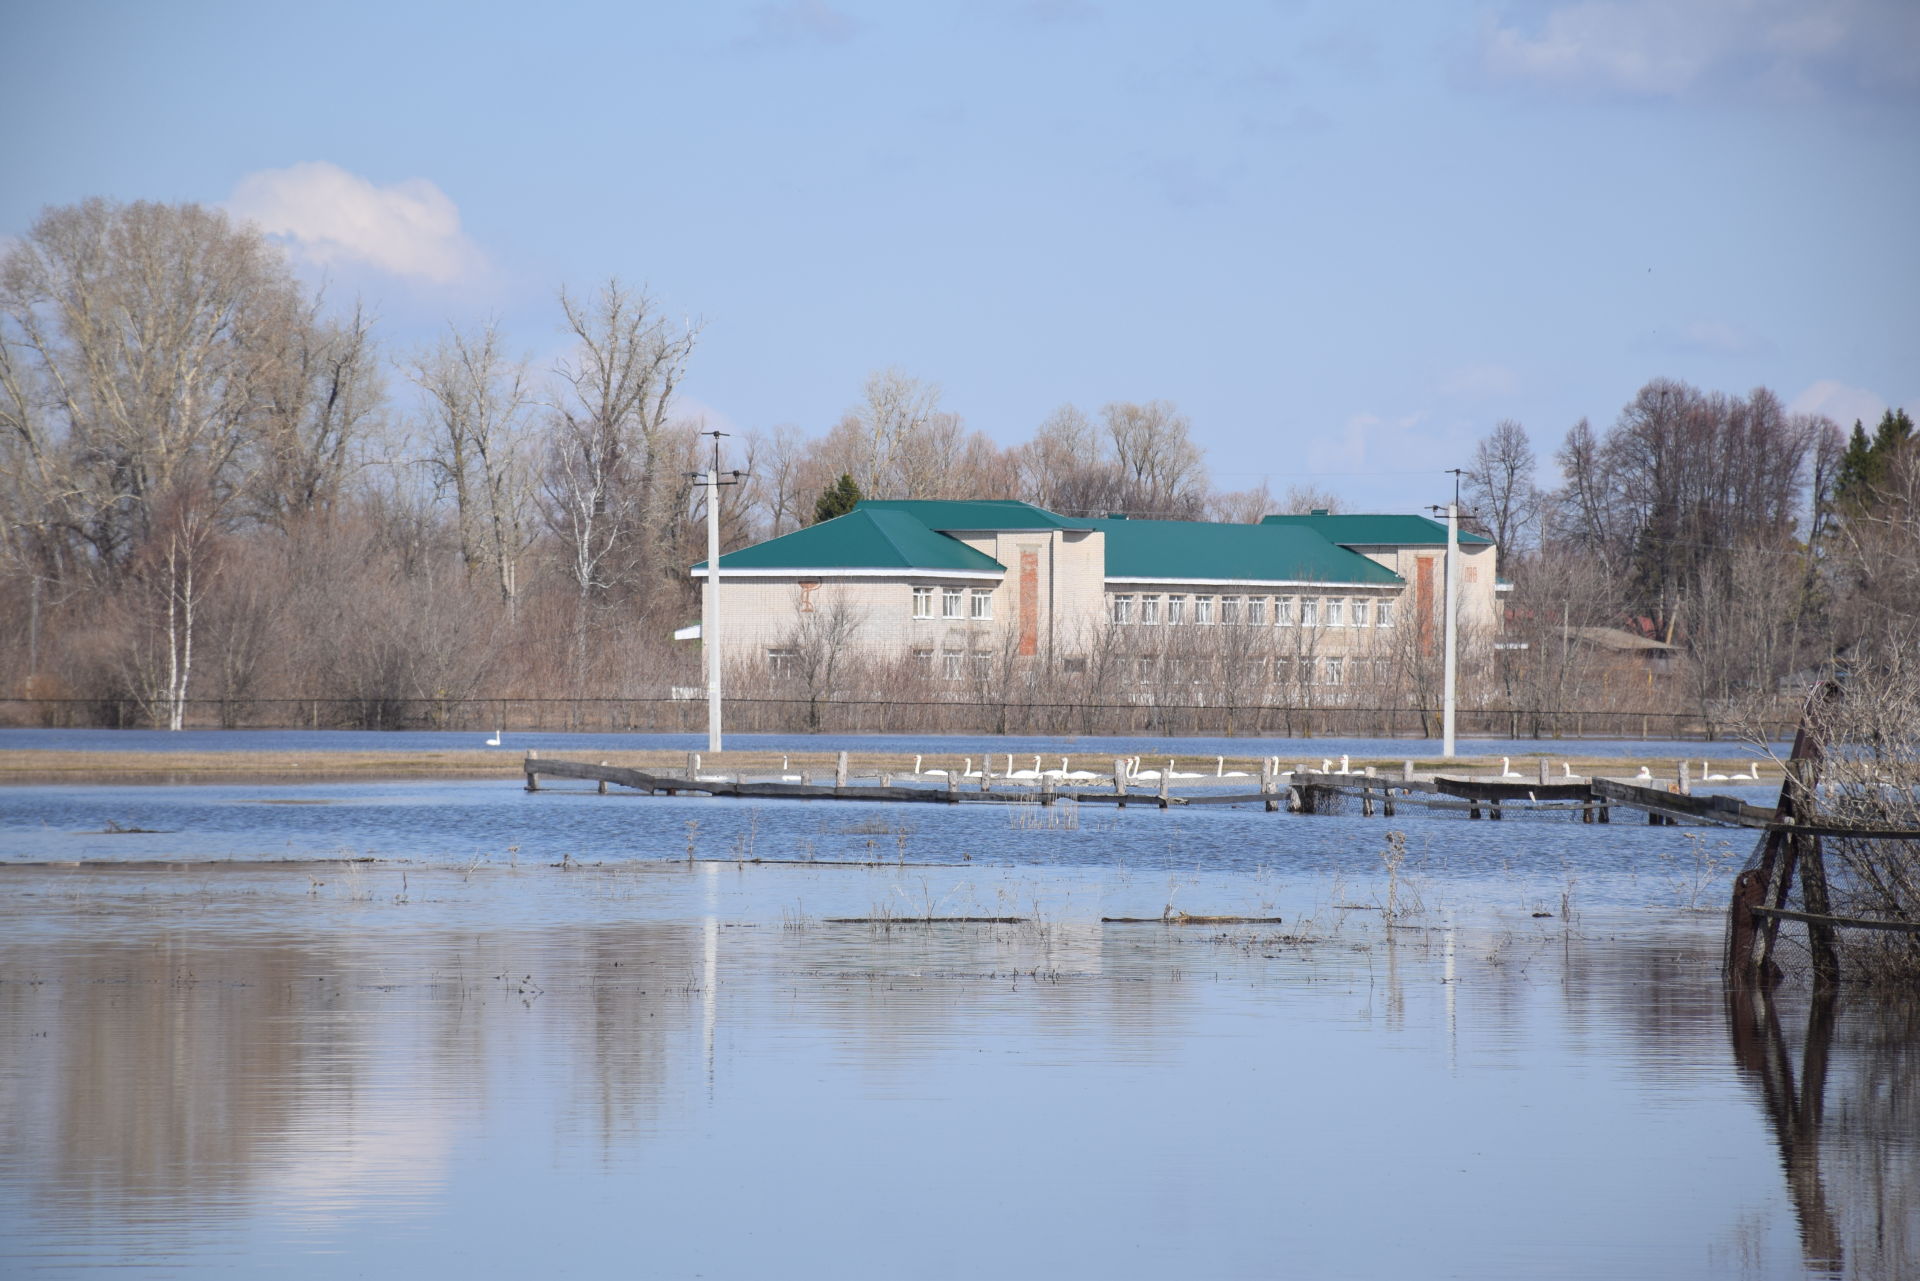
(1707,777)
(1751,776)
(1507,770)
(1644,774)
(1023,773)
(495,740)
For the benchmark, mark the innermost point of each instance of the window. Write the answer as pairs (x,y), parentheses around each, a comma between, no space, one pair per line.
(1256,672)
(1336,611)
(1150,610)
(923,659)
(923,602)
(1122,606)
(1335,671)
(951,661)
(1176,610)
(950,602)
(1076,666)
(1360,613)
(1283,611)
(1309,611)
(1203,610)
(982,603)
(781,662)
(1383,613)
(982,666)
(1229,611)
(1282,671)
(1257,611)
(1143,670)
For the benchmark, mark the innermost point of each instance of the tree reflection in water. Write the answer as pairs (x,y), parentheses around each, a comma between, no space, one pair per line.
(1867,1150)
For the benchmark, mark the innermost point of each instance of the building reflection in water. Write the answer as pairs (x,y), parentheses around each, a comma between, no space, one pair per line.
(164,1087)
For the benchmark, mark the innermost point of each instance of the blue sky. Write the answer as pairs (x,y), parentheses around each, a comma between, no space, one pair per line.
(1346,238)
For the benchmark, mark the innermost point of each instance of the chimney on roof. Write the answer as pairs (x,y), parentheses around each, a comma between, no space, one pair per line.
(1320,511)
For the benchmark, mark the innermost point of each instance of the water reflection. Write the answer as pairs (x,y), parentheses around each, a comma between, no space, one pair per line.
(1871,1144)
(751,1093)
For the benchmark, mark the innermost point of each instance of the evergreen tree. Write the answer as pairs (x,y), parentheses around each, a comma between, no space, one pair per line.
(1863,467)
(836,499)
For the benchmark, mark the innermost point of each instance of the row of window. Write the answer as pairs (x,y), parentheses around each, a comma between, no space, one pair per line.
(1252,672)
(955,664)
(955,602)
(1150,609)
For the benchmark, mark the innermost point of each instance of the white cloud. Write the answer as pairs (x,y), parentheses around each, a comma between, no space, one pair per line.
(1839,402)
(1668,48)
(409,228)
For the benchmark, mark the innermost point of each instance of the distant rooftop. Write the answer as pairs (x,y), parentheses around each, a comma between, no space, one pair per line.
(1176,550)
(872,536)
(1385,530)
(981,514)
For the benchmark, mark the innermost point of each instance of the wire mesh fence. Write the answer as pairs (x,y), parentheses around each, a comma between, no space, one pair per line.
(856,716)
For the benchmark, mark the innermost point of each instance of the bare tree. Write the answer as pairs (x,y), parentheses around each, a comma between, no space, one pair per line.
(896,409)
(1302,499)
(1161,472)
(1065,467)
(170,577)
(1241,506)
(476,429)
(320,396)
(138,342)
(1499,485)
(818,648)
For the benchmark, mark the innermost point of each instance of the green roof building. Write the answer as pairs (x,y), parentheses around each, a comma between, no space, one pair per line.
(962,588)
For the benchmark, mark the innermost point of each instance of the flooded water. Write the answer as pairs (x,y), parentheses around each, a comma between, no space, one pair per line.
(1092,748)
(531,1038)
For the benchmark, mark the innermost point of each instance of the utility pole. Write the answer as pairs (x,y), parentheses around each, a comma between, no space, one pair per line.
(710,600)
(1452,607)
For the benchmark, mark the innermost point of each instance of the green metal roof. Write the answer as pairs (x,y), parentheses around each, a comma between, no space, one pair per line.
(992,513)
(1166,550)
(868,537)
(1375,531)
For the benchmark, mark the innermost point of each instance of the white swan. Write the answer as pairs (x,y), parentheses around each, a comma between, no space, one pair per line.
(916,767)
(1220,769)
(495,740)
(967,770)
(1023,773)
(1326,765)
(1566,771)
(1707,777)
(1644,775)
(1751,776)
(1507,770)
